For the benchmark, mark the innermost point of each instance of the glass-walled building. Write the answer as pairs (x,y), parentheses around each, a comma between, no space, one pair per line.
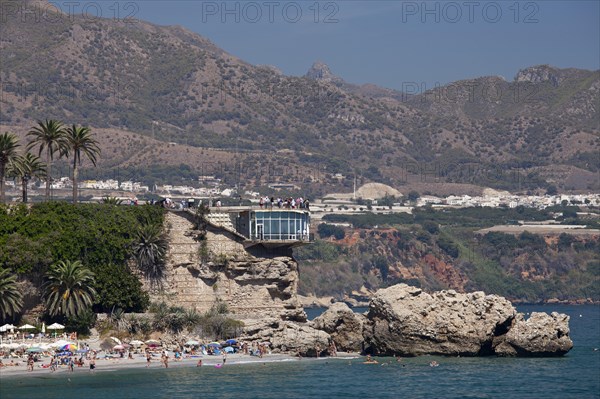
(274,225)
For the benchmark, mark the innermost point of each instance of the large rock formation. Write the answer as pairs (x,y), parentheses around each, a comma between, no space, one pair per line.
(405,320)
(202,272)
(321,72)
(260,288)
(287,336)
(540,335)
(343,325)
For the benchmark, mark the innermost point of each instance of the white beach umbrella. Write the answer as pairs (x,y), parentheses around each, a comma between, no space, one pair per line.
(136,342)
(27,327)
(55,326)
(7,327)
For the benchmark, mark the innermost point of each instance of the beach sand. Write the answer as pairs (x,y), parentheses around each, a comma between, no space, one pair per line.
(139,362)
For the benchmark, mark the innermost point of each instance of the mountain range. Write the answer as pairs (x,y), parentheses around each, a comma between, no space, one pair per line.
(167,102)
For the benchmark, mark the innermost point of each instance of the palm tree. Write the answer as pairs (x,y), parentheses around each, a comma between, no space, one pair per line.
(150,249)
(11,299)
(79,139)
(68,290)
(8,150)
(49,135)
(24,167)
(106,200)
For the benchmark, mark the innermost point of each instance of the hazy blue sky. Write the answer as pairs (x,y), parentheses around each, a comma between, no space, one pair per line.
(392,42)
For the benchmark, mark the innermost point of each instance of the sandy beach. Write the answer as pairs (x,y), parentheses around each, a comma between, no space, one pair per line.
(139,362)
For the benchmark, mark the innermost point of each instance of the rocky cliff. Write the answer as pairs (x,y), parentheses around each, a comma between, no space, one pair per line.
(260,288)
(200,273)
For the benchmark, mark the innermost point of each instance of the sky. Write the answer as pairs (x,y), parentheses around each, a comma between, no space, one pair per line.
(393,43)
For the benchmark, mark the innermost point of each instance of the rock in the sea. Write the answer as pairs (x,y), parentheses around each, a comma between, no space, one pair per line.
(288,336)
(344,326)
(405,320)
(540,335)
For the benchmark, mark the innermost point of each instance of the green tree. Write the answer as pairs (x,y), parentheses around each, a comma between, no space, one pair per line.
(50,136)
(570,212)
(413,196)
(430,226)
(551,190)
(111,200)
(8,151)
(80,140)
(150,249)
(25,167)
(69,289)
(11,299)
(327,230)
(116,287)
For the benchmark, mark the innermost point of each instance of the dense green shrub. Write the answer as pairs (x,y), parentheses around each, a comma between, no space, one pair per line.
(116,287)
(448,246)
(98,235)
(327,230)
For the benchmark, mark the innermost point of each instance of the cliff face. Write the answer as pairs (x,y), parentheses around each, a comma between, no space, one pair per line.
(523,268)
(200,273)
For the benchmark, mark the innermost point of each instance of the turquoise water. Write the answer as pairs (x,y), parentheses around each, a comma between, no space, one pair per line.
(576,375)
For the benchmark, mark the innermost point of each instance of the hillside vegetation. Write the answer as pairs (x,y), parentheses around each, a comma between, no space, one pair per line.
(172,85)
(33,240)
(441,250)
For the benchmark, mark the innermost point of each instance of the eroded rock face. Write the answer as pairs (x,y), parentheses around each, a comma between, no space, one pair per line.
(405,320)
(343,325)
(287,336)
(540,335)
(201,273)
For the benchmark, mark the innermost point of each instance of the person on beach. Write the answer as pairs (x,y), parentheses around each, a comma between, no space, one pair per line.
(165,359)
(199,364)
(148,358)
(332,349)
(224,357)
(92,363)
(71,364)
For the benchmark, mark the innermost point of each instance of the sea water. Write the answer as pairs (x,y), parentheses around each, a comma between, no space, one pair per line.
(576,375)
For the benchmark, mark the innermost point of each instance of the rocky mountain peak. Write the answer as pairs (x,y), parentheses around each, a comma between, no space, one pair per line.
(320,71)
(539,74)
